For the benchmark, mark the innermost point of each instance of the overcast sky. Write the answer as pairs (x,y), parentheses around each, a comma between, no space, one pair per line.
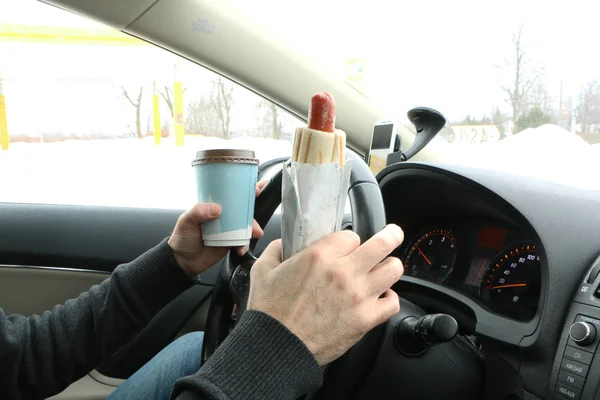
(441,54)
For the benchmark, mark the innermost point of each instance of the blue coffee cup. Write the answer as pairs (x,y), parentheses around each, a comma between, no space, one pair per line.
(228,178)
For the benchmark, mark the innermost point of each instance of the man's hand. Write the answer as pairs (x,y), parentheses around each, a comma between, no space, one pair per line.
(186,240)
(333,292)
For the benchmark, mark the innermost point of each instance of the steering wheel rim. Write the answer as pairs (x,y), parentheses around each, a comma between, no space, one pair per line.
(368,218)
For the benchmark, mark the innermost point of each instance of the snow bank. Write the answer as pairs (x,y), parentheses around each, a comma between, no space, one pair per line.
(548,152)
(123,172)
(138,173)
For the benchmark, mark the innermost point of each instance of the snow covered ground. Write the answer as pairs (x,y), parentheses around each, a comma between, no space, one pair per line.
(122,172)
(548,152)
(138,173)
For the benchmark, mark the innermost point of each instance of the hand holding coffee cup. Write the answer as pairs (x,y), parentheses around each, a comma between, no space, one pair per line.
(228,178)
(186,240)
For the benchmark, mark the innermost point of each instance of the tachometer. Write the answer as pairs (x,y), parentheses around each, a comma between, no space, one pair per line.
(431,256)
(512,283)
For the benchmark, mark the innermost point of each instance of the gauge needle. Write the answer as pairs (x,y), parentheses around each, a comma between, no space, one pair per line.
(424,256)
(509,286)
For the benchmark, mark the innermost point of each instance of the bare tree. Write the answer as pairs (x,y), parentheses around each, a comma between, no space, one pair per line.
(499,119)
(201,119)
(523,77)
(589,107)
(271,115)
(539,98)
(167,94)
(222,100)
(137,104)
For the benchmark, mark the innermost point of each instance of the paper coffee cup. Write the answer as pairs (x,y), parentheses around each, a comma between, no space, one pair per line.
(227,177)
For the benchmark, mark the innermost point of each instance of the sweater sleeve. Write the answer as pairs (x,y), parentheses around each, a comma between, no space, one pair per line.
(42,354)
(260,359)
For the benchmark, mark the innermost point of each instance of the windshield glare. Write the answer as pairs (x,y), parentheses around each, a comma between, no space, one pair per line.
(518,82)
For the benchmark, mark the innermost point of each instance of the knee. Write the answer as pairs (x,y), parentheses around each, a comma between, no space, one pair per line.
(190,341)
(186,353)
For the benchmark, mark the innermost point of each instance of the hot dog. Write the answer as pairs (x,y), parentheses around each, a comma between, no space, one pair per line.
(321,113)
(320,142)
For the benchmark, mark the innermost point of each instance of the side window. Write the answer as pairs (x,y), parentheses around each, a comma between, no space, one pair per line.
(91,116)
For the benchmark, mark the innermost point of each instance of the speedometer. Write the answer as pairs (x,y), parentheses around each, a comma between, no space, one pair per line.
(431,256)
(512,283)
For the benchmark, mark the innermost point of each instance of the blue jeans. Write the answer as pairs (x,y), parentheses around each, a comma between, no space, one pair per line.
(155,380)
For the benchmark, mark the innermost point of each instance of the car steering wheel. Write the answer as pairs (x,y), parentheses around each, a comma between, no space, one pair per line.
(364,370)
(233,280)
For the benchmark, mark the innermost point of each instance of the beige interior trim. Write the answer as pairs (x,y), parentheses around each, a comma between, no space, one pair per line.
(115,13)
(106,380)
(93,386)
(33,290)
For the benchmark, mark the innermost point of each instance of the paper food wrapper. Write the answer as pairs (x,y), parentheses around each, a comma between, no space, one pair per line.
(313,198)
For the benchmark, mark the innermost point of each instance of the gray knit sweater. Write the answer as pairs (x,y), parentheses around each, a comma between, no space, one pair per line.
(42,354)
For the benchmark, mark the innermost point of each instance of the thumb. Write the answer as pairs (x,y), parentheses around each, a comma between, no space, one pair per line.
(189,222)
(204,212)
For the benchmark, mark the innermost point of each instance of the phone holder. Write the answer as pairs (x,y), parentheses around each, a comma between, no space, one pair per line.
(396,156)
(428,123)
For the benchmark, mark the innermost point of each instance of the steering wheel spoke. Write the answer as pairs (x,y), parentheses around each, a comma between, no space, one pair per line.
(239,285)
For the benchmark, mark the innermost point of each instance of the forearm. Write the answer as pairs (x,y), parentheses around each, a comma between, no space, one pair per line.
(42,354)
(261,359)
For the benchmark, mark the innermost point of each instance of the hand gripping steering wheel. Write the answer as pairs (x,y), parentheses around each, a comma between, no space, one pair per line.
(368,216)
(365,369)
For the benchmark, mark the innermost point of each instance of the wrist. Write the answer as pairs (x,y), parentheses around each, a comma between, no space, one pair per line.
(181,261)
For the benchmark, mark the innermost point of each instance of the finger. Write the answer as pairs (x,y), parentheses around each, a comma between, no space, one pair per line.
(271,256)
(384,275)
(241,250)
(339,244)
(378,247)
(199,213)
(260,186)
(386,307)
(257,231)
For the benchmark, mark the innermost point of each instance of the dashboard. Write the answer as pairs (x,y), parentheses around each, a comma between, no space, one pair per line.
(515,260)
(494,263)
(465,229)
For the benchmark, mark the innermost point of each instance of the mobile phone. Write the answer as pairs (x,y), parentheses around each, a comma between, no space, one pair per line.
(382,143)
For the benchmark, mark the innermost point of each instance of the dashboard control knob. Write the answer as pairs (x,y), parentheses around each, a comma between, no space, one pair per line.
(582,333)
(414,335)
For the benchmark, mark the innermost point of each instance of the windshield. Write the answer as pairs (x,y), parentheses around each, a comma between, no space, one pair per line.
(92,116)
(89,115)
(518,82)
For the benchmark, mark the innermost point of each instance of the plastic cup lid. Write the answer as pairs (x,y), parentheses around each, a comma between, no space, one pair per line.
(219,153)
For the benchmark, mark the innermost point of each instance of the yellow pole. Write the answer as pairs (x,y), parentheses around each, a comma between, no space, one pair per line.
(156,115)
(178,110)
(4,139)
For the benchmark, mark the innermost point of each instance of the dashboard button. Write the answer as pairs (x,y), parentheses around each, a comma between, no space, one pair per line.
(574,367)
(567,391)
(571,379)
(583,333)
(579,355)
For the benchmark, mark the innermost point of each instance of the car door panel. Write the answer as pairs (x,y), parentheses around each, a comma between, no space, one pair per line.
(32,290)
(94,238)
(75,247)
(51,253)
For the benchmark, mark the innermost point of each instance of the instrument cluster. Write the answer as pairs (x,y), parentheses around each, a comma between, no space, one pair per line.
(494,263)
